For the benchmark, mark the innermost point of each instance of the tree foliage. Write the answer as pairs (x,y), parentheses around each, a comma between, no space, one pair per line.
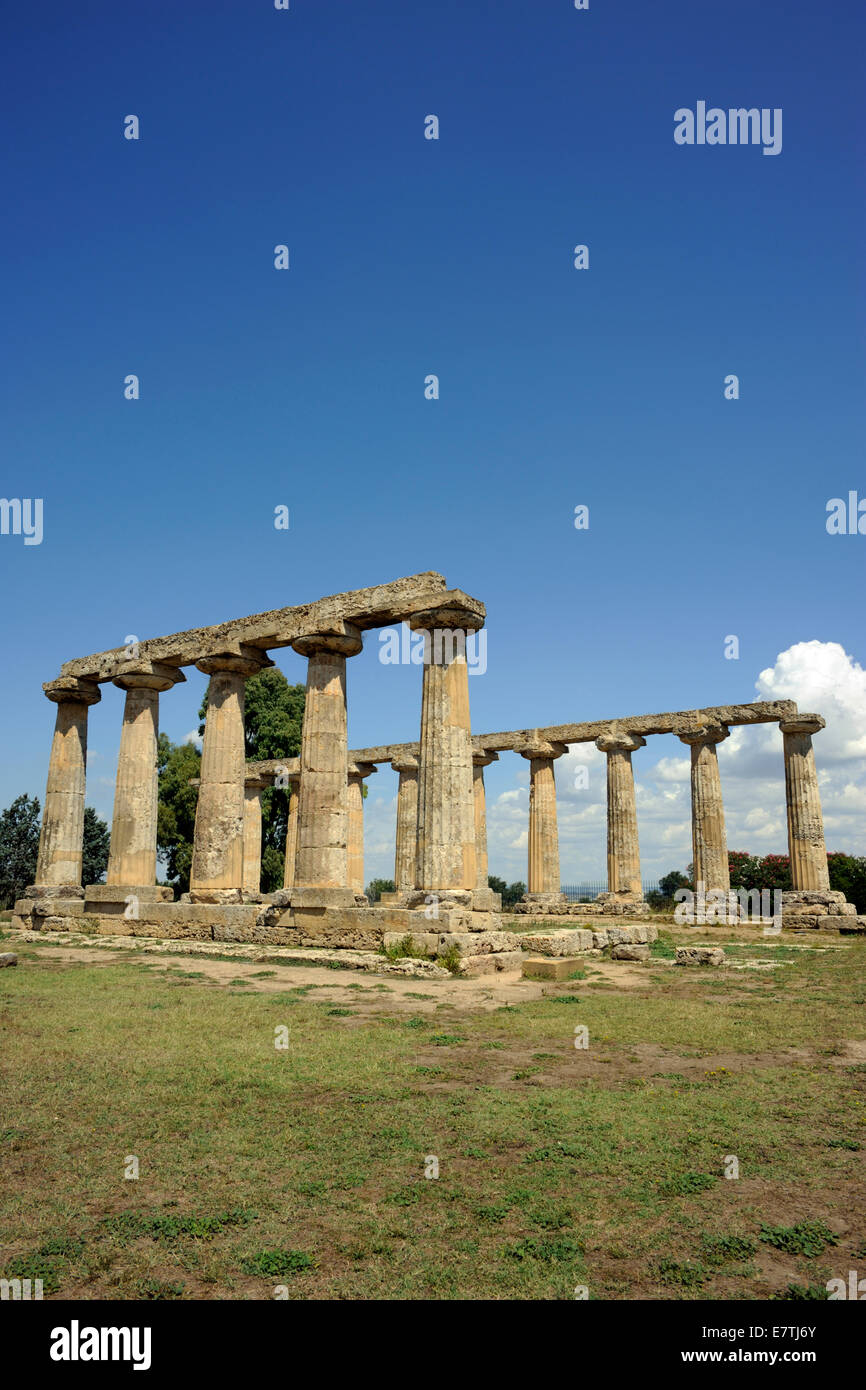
(19,846)
(97,841)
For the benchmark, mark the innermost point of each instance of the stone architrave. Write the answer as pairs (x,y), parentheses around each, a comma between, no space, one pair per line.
(709,841)
(61,837)
(806,847)
(252,836)
(544,872)
(291,832)
(406,847)
(446,866)
(132,857)
(623,851)
(479,762)
(355,850)
(218,850)
(321,862)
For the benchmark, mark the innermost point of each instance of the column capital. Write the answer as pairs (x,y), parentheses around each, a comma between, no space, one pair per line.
(72,689)
(619,741)
(239,659)
(148,675)
(361,770)
(482,758)
(405,762)
(450,615)
(707,733)
(803,724)
(342,639)
(537,747)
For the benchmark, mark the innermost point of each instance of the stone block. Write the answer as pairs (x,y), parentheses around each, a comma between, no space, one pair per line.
(7,958)
(492,963)
(564,942)
(549,967)
(700,955)
(626,951)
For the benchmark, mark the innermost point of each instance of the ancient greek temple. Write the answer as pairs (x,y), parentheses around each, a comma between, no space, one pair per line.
(440,874)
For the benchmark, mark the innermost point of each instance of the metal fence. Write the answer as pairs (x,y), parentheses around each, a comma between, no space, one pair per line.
(586,892)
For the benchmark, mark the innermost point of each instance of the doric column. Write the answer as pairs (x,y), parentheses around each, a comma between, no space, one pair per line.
(623,853)
(61,838)
(252,836)
(709,842)
(291,833)
(543,882)
(809,872)
(446,865)
(321,864)
(407,823)
(218,851)
(479,762)
(355,792)
(132,858)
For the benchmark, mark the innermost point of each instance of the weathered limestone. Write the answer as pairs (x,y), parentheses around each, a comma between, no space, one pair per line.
(355,849)
(406,851)
(709,842)
(61,838)
(700,955)
(252,835)
(218,850)
(321,863)
(805,823)
(543,878)
(479,762)
(446,866)
(132,857)
(292,791)
(623,852)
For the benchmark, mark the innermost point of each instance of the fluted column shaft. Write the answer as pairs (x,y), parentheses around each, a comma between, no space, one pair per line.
(218,849)
(291,833)
(479,762)
(543,879)
(132,857)
(61,837)
(709,840)
(806,847)
(252,836)
(321,863)
(446,804)
(623,850)
(406,847)
(355,791)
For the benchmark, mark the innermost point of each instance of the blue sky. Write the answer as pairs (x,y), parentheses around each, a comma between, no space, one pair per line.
(558,387)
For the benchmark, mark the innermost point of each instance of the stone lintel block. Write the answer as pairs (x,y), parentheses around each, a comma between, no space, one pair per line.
(625,951)
(700,955)
(216,897)
(315,896)
(53,907)
(562,942)
(118,893)
(492,963)
(548,967)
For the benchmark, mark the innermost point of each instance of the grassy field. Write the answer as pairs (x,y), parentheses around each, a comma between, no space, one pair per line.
(559,1167)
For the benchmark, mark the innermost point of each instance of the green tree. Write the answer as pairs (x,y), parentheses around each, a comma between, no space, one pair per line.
(175,825)
(848,876)
(511,893)
(19,846)
(94,860)
(377,886)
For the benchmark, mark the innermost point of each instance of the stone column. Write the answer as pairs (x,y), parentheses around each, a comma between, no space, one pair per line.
(252,835)
(291,833)
(709,842)
(446,866)
(321,864)
(355,855)
(623,853)
(543,882)
(407,823)
(61,837)
(132,858)
(479,762)
(809,872)
(218,851)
